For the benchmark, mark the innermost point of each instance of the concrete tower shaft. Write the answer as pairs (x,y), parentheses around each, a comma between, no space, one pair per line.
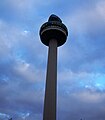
(49,112)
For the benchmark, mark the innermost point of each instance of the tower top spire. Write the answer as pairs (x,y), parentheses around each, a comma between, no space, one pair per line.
(54,17)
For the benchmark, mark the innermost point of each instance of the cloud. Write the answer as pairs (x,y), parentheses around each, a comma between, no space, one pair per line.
(71,82)
(81,75)
(26,13)
(85,42)
(20,76)
(84,104)
(101,8)
(81,95)
(27,5)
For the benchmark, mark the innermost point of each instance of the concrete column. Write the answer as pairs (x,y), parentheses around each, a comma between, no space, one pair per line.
(51,83)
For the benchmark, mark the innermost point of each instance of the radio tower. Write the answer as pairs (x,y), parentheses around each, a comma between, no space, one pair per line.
(52,34)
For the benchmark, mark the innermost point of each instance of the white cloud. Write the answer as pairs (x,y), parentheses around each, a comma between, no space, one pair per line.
(85,43)
(28,71)
(23,115)
(87,18)
(4,116)
(100,7)
(23,6)
(89,97)
(72,81)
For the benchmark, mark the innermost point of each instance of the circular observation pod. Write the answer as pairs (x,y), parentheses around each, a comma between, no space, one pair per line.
(53,29)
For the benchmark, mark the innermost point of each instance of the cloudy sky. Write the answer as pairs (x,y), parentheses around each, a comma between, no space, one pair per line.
(81,61)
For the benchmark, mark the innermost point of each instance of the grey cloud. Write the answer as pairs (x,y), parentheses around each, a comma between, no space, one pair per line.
(70,107)
(85,44)
(22,69)
(18,76)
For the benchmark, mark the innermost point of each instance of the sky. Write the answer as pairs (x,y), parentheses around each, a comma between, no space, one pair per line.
(81,60)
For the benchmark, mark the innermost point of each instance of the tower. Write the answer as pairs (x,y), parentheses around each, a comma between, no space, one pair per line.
(53,34)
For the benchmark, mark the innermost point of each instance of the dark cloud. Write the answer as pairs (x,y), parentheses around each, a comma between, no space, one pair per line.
(88,106)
